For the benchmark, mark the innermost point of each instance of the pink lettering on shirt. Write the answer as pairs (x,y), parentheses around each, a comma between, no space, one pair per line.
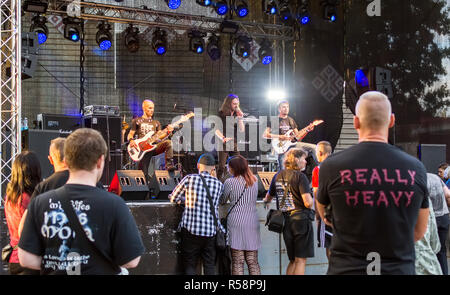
(396,199)
(399,177)
(354,197)
(367,197)
(345,174)
(382,198)
(412,173)
(409,195)
(360,175)
(375,176)
(391,180)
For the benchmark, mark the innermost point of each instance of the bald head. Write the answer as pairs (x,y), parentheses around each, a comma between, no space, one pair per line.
(148,107)
(374,111)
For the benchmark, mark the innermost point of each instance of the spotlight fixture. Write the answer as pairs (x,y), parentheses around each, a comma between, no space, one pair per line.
(303,16)
(265,52)
(221,7)
(330,11)
(196,43)
(35,6)
(173,4)
(132,39)
(104,36)
(203,2)
(159,41)
(213,48)
(241,8)
(270,6)
(242,46)
(72,28)
(285,12)
(38,26)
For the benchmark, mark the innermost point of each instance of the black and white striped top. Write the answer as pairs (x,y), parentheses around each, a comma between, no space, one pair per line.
(243,223)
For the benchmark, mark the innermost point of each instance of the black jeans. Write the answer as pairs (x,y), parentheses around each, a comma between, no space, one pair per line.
(193,247)
(442,223)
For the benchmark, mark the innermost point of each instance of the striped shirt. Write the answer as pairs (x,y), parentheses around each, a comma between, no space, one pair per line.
(243,224)
(197,217)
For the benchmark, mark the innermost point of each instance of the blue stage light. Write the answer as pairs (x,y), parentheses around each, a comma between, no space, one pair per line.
(42,37)
(361,79)
(221,8)
(173,4)
(105,45)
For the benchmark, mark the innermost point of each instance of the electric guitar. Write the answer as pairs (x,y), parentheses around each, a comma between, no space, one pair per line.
(151,140)
(281,146)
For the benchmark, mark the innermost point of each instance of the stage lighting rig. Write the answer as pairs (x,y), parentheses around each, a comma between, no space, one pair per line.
(72,28)
(213,47)
(270,6)
(159,41)
(330,10)
(104,36)
(265,52)
(242,46)
(173,4)
(196,42)
(241,8)
(132,39)
(38,26)
(35,6)
(303,16)
(221,7)
(285,12)
(204,2)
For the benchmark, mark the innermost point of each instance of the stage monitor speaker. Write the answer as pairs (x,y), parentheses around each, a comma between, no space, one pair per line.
(432,155)
(264,181)
(99,123)
(112,163)
(162,184)
(130,185)
(64,123)
(38,141)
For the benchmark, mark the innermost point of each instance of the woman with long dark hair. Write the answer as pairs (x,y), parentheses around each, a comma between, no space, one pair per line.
(243,225)
(292,189)
(25,175)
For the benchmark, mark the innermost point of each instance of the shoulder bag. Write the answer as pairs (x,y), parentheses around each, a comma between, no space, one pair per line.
(74,223)
(7,252)
(275,218)
(221,241)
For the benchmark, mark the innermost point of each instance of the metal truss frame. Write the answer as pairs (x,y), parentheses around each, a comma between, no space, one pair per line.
(170,20)
(10,87)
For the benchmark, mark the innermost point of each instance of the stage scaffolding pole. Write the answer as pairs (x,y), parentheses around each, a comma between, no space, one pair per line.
(10,87)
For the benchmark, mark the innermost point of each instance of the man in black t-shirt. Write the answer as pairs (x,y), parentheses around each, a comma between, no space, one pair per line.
(286,123)
(142,126)
(48,241)
(229,109)
(378,196)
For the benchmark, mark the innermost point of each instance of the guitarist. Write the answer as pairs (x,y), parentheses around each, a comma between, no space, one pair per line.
(286,123)
(145,124)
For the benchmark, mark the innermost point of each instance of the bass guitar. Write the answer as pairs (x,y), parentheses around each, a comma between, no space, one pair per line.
(151,140)
(281,146)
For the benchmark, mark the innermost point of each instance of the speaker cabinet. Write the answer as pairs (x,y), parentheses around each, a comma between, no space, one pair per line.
(113,162)
(130,185)
(59,122)
(432,155)
(103,124)
(264,181)
(38,141)
(162,184)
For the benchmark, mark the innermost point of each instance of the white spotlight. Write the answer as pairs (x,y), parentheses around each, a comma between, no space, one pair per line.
(276,94)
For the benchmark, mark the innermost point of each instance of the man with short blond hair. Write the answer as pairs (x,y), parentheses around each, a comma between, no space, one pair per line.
(378,196)
(48,241)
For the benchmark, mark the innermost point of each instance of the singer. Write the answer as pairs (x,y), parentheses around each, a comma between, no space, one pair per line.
(230,107)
